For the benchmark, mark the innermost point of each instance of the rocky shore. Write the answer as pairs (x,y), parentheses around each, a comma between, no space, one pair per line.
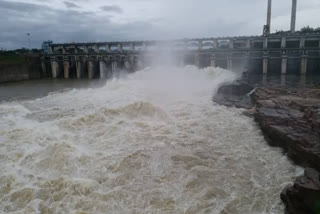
(289,118)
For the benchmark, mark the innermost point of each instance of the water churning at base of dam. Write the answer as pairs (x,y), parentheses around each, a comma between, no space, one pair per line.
(149,142)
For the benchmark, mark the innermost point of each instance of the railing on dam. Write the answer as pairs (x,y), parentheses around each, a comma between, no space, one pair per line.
(100,59)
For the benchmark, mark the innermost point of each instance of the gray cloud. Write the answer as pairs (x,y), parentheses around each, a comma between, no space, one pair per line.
(160,19)
(112,8)
(71,4)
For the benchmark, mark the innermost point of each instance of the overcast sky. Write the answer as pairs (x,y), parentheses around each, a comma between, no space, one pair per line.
(109,20)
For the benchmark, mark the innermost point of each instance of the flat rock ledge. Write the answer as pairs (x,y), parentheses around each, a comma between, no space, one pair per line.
(289,118)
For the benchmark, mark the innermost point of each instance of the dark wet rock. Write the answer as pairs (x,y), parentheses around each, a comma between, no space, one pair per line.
(289,118)
(304,196)
(234,95)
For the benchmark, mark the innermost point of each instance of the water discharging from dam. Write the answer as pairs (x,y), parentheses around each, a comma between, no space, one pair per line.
(150,142)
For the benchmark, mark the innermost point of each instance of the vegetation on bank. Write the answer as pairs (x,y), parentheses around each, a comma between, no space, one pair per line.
(304,30)
(18,56)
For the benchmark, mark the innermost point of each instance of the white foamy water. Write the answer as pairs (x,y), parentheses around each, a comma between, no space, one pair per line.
(151,142)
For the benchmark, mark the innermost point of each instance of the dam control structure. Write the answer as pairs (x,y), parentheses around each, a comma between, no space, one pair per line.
(288,53)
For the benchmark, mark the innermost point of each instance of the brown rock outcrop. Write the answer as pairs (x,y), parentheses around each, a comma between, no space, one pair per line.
(289,118)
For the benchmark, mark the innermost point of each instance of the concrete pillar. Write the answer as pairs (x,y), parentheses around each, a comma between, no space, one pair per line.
(248,44)
(96,48)
(79,68)
(120,48)
(108,49)
(103,69)
(231,45)
(50,49)
(114,66)
(55,68)
(66,68)
(214,44)
(76,50)
(304,65)
(283,42)
(265,65)
(91,69)
(127,64)
(132,47)
(265,43)
(302,42)
(63,50)
(293,16)
(284,62)
(85,49)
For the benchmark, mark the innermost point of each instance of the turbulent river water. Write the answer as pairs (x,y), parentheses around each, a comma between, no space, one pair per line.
(149,142)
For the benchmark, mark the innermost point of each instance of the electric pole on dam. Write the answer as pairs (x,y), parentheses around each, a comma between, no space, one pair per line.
(293,16)
(267,27)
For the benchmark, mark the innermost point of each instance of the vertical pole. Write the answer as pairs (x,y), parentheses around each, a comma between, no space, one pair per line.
(269,16)
(293,16)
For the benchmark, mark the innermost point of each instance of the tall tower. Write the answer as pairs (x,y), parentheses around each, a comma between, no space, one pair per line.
(293,16)
(267,27)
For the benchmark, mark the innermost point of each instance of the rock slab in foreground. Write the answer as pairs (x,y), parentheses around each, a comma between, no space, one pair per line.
(304,196)
(289,118)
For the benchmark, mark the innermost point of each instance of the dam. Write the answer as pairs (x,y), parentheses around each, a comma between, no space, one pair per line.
(291,53)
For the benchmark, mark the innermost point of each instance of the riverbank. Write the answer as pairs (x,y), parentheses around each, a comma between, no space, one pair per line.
(289,118)
(17,68)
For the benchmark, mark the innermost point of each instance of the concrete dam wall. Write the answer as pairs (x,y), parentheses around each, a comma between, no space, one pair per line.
(30,69)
